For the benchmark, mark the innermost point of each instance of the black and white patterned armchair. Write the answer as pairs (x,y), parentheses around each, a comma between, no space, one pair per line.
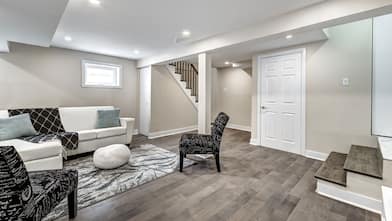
(31,196)
(204,144)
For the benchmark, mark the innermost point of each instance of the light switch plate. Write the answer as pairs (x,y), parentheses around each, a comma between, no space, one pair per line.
(345,82)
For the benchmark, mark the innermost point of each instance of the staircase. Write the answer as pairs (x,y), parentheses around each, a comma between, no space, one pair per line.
(354,178)
(186,76)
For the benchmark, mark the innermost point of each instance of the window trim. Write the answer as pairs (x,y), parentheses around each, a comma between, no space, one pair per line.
(85,62)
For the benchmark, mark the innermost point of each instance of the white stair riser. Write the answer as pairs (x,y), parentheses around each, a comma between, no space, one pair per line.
(365,185)
(387,175)
(341,194)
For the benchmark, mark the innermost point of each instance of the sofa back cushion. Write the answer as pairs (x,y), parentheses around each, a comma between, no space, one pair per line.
(16,127)
(16,189)
(80,118)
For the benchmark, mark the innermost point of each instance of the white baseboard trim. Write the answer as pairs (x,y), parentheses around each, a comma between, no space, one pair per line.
(135,132)
(254,142)
(165,133)
(340,194)
(316,155)
(238,127)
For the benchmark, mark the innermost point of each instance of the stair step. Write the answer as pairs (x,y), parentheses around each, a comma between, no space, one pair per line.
(332,169)
(365,161)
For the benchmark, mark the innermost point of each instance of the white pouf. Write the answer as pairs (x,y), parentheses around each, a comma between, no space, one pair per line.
(111,156)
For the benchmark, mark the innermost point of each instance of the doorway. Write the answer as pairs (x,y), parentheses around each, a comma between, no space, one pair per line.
(282,92)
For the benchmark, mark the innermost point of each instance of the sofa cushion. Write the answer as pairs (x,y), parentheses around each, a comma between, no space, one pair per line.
(80,118)
(108,118)
(15,127)
(87,135)
(110,132)
(34,151)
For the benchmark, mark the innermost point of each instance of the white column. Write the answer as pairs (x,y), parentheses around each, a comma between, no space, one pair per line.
(205,90)
(145,100)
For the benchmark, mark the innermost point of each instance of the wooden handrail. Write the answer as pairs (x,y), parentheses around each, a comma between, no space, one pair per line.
(194,68)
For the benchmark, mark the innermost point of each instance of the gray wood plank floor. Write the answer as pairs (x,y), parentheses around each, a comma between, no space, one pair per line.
(255,184)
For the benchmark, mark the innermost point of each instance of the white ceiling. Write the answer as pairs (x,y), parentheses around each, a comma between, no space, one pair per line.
(29,22)
(244,51)
(150,26)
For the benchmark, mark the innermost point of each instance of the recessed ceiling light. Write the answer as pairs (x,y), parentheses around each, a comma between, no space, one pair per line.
(289,36)
(68,38)
(136,51)
(186,33)
(227,62)
(234,65)
(95,2)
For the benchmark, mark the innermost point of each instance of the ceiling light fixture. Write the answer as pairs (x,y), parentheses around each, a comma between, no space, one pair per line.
(227,62)
(68,38)
(186,33)
(95,2)
(289,37)
(235,65)
(136,51)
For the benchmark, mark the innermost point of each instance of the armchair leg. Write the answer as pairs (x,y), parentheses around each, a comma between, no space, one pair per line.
(73,204)
(217,162)
(181,161)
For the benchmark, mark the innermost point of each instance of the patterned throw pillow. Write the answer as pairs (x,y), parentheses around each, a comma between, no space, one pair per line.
(15,184)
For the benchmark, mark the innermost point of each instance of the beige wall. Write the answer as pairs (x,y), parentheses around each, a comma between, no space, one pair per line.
(50,77)
(232,91)
(337,116)
(170,108)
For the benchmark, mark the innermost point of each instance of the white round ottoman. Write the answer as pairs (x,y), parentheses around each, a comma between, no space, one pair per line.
(111,156)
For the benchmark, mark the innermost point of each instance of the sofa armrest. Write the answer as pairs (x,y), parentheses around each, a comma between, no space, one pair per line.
(129,124)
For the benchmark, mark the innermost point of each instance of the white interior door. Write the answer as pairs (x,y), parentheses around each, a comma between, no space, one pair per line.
(281,101)
(145,101)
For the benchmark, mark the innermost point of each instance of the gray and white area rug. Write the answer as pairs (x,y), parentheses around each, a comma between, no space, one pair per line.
(148,162)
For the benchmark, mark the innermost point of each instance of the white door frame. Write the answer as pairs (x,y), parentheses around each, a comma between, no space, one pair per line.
(302,142)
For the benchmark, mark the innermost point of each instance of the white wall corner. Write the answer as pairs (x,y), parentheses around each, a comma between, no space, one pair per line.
(316,155)
(165,133)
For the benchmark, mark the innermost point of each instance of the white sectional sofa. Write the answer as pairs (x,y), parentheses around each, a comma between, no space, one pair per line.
(49,155)
(83,121)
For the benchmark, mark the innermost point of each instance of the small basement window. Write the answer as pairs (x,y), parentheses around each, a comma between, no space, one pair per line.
(101,75)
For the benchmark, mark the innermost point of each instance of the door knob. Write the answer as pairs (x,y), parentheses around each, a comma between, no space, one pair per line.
(263,107)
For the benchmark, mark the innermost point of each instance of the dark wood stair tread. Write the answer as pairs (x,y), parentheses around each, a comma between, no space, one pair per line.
(332,169)
(365,161)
